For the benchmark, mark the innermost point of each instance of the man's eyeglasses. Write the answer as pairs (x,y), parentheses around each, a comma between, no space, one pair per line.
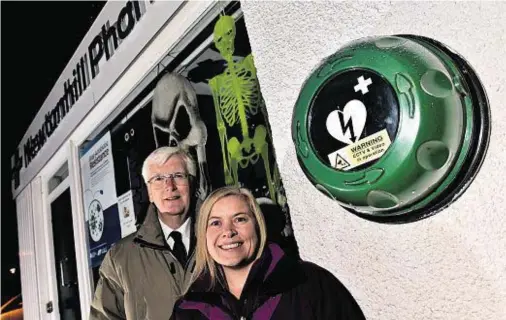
(159,181)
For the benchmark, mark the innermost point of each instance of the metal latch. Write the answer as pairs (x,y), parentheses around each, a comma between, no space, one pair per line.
(49,307)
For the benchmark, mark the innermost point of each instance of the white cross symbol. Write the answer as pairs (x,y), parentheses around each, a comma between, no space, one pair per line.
(362,85)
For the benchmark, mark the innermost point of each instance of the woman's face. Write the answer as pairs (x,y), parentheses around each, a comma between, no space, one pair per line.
(231,233)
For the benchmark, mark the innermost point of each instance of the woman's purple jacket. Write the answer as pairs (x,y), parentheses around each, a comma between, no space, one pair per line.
(277,287)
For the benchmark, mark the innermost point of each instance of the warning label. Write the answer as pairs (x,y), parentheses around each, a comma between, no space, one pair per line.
(363,151)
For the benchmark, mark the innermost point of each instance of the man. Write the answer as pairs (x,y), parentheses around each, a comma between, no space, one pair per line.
(143,274)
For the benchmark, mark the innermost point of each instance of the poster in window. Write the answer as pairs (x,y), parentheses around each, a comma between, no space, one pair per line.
(126,214)
(100,199)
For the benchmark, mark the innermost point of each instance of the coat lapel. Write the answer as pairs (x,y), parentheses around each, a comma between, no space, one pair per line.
(150,231)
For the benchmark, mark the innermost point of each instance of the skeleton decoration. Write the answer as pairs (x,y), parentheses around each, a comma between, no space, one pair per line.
(237,97)
(176,121)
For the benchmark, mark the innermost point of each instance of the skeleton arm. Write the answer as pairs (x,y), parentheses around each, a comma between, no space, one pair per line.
(222,129)
(198,138)
(274,181)
(250,64)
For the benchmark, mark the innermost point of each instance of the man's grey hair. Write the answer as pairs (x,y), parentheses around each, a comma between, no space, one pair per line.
(162,154)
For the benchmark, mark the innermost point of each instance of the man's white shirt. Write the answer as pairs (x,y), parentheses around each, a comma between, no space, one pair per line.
(184,229)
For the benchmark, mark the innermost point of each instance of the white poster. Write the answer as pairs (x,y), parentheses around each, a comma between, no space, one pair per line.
(100,199)
(126,214)
(97,170)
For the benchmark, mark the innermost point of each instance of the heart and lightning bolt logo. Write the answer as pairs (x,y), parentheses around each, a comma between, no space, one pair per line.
(347,125)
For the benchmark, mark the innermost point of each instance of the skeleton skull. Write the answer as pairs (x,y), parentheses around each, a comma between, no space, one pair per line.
(224,35)
(176,120)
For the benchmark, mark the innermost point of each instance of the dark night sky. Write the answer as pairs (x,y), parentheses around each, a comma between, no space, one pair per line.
(37,39)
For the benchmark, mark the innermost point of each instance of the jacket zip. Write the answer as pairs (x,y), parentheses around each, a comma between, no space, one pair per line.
(163,248)
(146,244)
(143,243)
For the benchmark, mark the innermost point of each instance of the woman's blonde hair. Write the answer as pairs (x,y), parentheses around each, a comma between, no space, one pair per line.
(203,260)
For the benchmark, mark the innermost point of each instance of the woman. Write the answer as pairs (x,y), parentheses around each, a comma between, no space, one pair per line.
(238,275)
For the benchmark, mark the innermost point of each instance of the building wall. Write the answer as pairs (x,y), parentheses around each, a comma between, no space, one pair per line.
(27,254)
(450,266)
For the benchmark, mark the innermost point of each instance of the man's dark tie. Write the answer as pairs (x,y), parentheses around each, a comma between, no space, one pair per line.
(178,249)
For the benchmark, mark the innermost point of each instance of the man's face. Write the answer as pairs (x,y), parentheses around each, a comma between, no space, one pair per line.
(171,197)
(231,234)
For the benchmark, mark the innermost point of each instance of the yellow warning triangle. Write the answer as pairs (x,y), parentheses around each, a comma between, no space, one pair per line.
(340,163)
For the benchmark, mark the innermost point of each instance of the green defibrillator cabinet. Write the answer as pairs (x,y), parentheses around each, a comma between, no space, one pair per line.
(394,128)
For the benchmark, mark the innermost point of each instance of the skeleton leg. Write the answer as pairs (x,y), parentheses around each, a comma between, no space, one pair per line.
(234,149)
(222,129)
(262,147)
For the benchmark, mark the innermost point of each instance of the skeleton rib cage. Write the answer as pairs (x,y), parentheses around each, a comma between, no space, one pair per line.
(239,92)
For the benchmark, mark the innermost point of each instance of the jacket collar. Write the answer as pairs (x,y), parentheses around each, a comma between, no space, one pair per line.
(150,231)
(270,276)
(274,271)
(277,272)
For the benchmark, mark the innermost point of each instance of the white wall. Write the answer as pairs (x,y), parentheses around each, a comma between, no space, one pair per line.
(27,254)
(450,266)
